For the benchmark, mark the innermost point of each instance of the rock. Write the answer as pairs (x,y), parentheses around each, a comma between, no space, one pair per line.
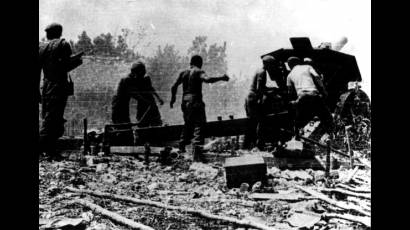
(299,175)
(89,160)
(183,177)
(257,187)
(334,174)
(302,220)
(319,175)
(167,169)
(244,187)
(99,227)
(153,186)
(203,171)
(101,167)
(53,190)
(68,224)
(87,216)
(274,172)
(109,178)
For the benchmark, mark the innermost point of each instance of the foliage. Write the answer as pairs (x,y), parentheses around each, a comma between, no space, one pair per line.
(108,59)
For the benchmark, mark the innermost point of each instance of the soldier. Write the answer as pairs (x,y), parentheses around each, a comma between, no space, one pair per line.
(137,85)
(192,105)
(310,92)
(309,61)
(263,95)
(55,62)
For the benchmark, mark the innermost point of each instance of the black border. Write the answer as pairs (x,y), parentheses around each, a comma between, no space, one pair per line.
(20,113)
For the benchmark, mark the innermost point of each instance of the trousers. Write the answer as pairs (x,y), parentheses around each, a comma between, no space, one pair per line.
(52,126)
(194,122)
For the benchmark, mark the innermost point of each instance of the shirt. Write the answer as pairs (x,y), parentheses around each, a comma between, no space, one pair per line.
(301,78)
(270,83)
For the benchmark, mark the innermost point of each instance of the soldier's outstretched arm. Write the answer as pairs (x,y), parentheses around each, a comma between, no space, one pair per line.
(174,90)
(205,78)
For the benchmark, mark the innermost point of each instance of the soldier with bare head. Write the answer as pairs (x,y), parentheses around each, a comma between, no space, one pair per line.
(192,105)
(309,92)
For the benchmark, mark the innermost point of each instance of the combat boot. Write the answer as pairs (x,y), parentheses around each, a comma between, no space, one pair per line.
(198,155)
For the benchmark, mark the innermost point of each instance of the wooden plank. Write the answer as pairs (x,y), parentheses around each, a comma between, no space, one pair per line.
(223,128)
(276,196)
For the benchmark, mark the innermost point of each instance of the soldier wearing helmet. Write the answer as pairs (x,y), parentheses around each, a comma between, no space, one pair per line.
(266,87)
(137,85)
(54,62)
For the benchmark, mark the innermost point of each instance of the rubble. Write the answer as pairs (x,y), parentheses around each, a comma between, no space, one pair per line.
(279,203)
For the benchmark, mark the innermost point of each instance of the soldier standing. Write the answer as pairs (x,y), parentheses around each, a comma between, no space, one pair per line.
(137,85)
(310,92)
(55,62)
(192,105)
(267,84)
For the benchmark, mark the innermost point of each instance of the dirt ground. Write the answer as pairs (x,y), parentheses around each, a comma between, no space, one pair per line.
(192,185)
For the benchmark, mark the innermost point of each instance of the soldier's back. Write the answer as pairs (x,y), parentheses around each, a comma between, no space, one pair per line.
(192,82)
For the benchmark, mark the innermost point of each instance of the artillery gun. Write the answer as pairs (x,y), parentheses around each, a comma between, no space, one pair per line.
(339,70)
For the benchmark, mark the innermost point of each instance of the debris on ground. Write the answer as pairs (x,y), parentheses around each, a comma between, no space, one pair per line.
(188,195)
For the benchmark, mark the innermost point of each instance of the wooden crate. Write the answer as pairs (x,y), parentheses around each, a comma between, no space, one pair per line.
(247,169)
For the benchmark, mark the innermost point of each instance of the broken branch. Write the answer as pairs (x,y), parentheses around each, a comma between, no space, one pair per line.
(338,204)
(112,215)
(337,190)
(352,174)
(359,190)
(245,223)
(357,219)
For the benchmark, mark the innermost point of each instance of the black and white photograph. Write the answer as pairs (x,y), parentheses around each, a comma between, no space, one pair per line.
(204,114)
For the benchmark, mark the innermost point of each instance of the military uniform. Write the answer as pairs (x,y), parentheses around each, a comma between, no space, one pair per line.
(192,106)
(310,92)
(140,89)
(54,58)
(260,101)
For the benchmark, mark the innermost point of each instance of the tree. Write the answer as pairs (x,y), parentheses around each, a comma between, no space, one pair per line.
(215,64)
(121,47)
(199,47)
(213,57)
(164,66)
(84,43)
(104,45)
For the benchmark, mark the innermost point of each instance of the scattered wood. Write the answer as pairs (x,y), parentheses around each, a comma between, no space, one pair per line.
(338,204)
(112,215)
(353,189)
(244,223)
(276,196)
(137,150)
(366,163)
(362,203)
(367,180)
(349,193)
(360,181)
(357,219)
(352,174)
(303,220)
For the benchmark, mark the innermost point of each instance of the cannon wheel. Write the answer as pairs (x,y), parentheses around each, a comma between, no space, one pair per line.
(352,104)
(353,110)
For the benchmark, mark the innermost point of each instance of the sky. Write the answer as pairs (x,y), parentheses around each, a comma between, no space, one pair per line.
(250,27)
